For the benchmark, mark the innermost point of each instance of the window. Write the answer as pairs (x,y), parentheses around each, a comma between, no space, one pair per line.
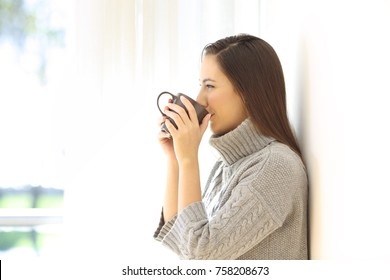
(33,55)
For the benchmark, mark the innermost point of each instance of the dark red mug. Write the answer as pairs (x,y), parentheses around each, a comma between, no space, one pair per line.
(200,110)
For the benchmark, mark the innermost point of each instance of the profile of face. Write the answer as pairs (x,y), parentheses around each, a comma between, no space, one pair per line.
(219,97)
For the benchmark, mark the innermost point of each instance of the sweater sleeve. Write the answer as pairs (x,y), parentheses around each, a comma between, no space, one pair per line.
(247,217)
(163,227)
(235,229)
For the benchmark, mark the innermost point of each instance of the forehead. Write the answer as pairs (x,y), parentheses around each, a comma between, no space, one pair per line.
(209,67)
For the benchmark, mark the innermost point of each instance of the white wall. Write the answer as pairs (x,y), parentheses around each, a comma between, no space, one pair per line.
(336,60)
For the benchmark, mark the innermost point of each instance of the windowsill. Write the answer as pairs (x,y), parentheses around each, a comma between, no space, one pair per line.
(30,216)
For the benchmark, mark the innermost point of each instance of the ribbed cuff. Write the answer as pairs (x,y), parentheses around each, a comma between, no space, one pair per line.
(163,228)
(189,219)
(192,213)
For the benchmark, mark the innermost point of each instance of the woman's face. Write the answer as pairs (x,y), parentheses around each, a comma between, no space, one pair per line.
(218,96)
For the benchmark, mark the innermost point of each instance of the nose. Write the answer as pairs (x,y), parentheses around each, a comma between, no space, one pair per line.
(201,98)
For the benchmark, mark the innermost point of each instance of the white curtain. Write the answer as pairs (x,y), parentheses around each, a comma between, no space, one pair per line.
(126,52)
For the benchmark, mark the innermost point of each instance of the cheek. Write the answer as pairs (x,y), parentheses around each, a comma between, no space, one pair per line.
(239,106)
(238,112)
(215,104)
(212,99)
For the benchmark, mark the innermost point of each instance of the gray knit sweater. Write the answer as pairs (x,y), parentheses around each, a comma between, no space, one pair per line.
(254,204)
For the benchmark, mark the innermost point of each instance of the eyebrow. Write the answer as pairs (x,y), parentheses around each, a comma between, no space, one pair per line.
(208,80)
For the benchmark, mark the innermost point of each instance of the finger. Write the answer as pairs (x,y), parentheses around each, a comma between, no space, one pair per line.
(161,120)
(164,135)
(172,129)
(176,116)
(179,110)
(170,100)
(205,123)
(190,108)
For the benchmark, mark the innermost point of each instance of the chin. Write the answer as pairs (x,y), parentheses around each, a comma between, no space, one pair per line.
(216,131)
(213,129)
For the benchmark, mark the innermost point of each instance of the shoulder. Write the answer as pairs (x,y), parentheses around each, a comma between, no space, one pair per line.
(283,167)
(284,159)
(274,160)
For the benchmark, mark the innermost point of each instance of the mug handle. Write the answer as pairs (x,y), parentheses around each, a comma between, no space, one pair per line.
(158,99)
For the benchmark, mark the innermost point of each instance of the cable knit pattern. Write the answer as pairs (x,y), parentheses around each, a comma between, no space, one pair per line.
(254,205)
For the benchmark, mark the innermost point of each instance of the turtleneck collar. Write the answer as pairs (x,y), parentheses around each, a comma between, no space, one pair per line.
(240,142)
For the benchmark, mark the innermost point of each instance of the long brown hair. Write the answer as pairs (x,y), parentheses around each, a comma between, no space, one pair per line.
(254,69)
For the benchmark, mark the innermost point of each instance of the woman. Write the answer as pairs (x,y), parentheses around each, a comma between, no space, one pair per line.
(254,205)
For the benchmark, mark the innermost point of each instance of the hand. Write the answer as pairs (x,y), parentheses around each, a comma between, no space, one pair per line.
(187,136)
(166,141)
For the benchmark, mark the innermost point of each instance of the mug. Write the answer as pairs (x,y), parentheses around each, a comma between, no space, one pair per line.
(200,110)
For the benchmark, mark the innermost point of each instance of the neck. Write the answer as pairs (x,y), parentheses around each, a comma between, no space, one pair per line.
(240,142)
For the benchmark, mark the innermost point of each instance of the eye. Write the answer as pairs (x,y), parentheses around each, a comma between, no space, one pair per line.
(209,86)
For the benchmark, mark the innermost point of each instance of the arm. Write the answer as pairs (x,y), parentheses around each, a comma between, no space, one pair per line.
(189,184)
(236,228)
(171,190)
(183,179)
(257,206)
(186,140)
(172,179)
